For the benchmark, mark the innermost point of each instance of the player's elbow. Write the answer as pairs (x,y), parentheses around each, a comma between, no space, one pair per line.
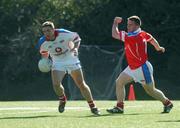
(44,54)
(115,36)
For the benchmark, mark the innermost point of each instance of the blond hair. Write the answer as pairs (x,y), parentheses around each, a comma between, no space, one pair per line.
(136,19)
(48,23)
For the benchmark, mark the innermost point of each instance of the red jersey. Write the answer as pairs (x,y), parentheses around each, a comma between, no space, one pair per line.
(135,47)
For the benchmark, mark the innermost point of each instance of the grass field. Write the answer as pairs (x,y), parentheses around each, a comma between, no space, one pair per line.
(44,114)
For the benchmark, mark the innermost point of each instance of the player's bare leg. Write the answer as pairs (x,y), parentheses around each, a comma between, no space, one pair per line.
(121,81)
(57,77)
(158,95)
(78,78)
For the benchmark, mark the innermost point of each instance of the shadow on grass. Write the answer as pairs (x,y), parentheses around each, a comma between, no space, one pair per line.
(110,115)
(169,121)
(28,117)
(64,115)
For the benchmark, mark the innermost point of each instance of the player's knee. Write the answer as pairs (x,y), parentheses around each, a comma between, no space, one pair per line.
(150,91)
(119,82)
(57,85)
(81,85)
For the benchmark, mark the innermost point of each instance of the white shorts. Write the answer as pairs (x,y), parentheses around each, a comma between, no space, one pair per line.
(65,67)
(142,74)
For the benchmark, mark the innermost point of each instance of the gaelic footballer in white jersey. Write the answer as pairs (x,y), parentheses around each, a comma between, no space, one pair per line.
(61,46)
(61,50)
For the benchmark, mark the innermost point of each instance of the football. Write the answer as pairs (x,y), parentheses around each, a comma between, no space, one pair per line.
(70,45)
(44,65)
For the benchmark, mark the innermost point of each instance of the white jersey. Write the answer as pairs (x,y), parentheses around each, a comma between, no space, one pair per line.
(60,49)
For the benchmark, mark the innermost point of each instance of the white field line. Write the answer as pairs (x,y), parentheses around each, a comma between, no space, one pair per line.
(26,112)
(54,108)
(38,108)
(31,110)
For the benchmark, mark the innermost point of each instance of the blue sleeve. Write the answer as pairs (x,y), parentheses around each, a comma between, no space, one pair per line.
(41,41)
(61,30)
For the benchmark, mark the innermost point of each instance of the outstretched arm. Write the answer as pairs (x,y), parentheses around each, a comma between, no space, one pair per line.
(115,30)
(157,46)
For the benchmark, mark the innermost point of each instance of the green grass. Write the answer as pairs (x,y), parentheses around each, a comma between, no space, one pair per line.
(44,114)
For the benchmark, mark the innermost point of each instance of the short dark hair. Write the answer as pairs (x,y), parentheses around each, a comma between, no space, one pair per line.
(48,23)
(136,19)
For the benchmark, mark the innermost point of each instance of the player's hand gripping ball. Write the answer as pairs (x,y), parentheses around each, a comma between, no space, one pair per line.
(44,65)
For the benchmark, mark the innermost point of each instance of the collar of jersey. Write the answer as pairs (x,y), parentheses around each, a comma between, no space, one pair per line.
(135,32)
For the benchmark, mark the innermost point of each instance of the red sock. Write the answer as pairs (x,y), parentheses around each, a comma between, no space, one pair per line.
(62,98)
(120,105)
(91,104)
(167,102)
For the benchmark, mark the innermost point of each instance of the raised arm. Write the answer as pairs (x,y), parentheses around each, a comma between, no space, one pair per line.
(156,45)
(115,30)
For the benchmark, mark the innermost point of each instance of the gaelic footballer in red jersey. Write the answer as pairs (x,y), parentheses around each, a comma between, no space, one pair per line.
(62,47)
(139,69)
(136,47)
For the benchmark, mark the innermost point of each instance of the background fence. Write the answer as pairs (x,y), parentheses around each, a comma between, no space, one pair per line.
(101,66)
